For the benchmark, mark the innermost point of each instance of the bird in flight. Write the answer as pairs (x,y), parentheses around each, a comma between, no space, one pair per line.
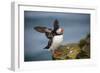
(55,35)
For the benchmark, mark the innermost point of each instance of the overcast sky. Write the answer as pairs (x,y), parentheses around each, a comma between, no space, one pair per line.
(76,26)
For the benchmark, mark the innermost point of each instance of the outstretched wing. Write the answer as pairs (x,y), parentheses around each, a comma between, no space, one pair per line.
(56,24)
(49,44)
(42,29)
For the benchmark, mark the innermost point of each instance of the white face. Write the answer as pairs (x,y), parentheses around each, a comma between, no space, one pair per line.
(59,31)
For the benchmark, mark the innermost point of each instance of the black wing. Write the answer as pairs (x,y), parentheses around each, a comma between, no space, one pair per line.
(56,25)
(43,29)
(49,44)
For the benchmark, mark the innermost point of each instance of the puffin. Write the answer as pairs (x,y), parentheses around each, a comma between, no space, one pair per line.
(54,35)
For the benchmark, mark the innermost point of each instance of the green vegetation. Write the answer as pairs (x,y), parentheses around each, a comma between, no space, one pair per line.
(80,50)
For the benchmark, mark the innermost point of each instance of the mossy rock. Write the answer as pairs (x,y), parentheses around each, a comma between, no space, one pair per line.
(69,51)
(73,51)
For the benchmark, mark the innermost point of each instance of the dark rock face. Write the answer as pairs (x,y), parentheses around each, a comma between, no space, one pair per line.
(85,48)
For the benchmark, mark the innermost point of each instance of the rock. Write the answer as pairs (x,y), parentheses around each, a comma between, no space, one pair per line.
(69,51)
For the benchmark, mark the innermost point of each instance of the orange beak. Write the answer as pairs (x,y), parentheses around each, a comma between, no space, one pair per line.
(62,30)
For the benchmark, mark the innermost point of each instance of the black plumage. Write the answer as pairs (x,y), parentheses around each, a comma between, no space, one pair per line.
(50,33)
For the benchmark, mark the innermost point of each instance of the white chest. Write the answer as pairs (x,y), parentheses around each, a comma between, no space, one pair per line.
(57,40)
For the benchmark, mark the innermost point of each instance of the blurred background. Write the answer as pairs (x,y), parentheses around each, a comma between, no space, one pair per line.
(76,26)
